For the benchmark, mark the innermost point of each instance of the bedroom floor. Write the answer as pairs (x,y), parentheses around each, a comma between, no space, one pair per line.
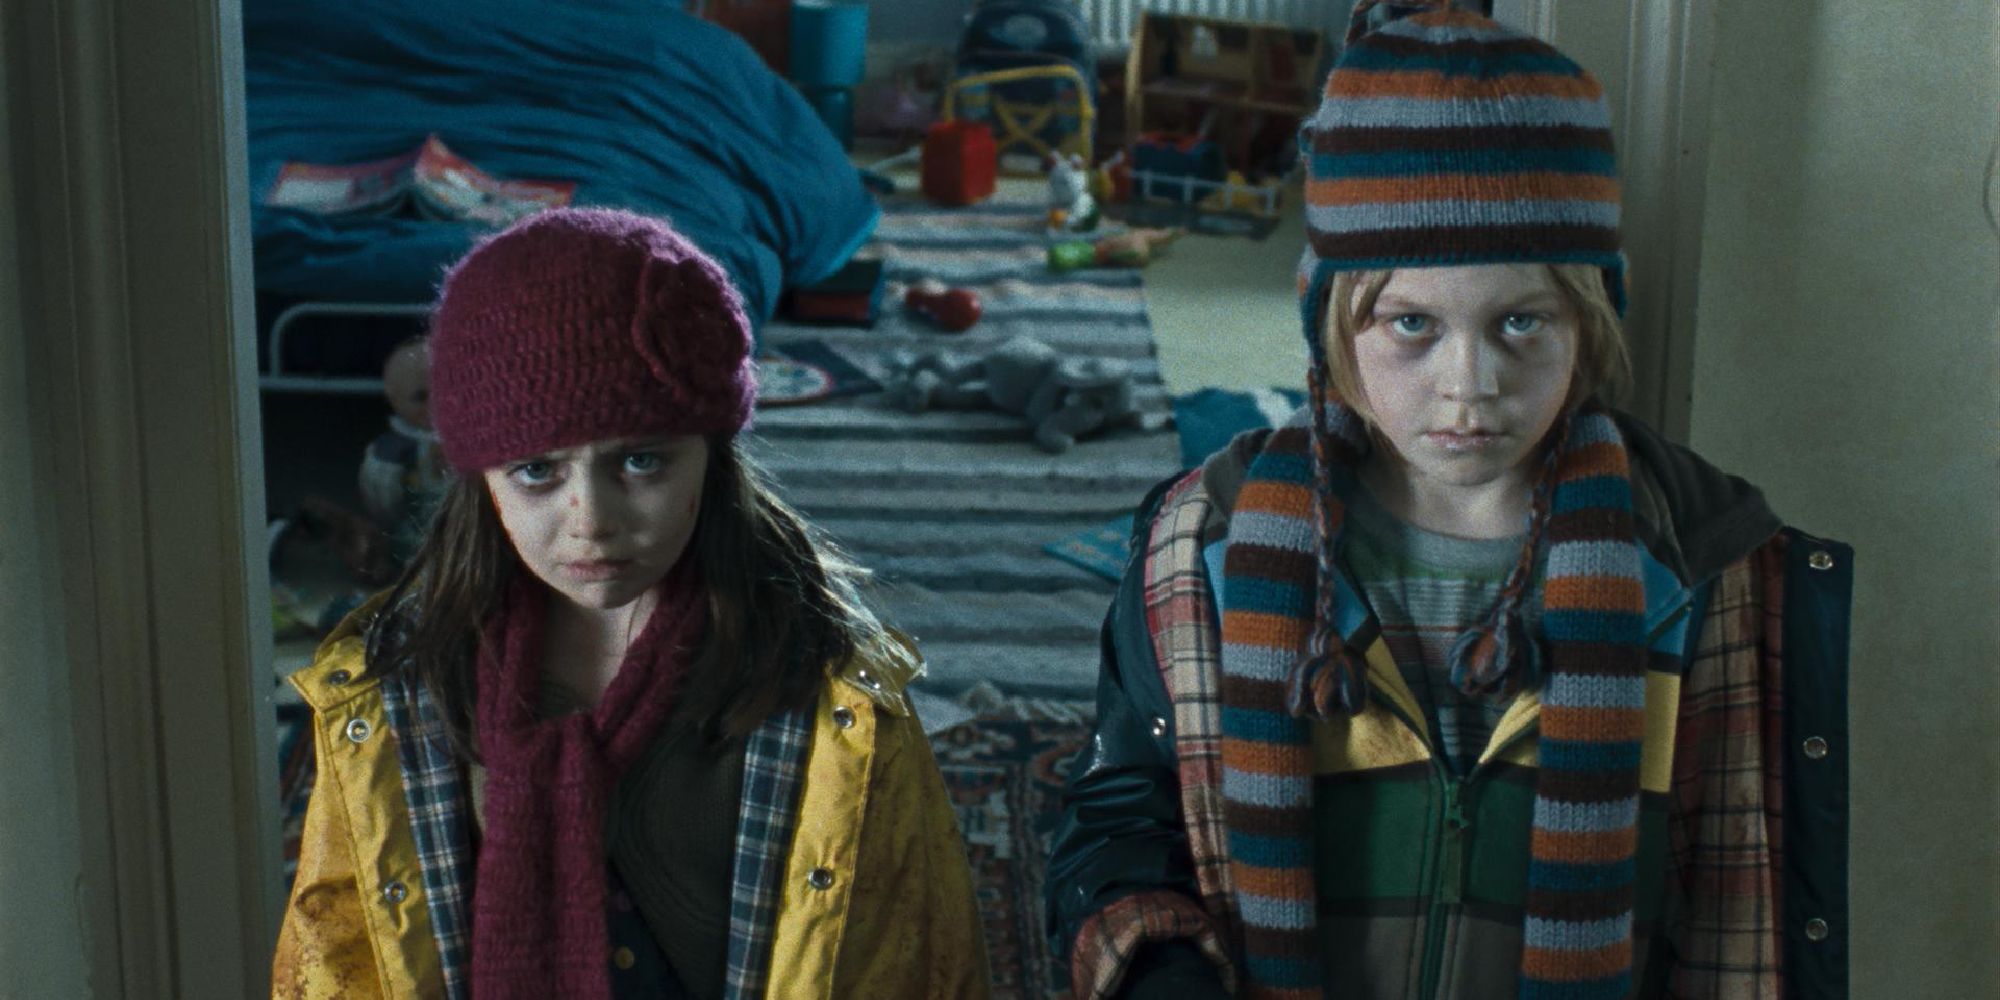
(1224,313)
(1224,308)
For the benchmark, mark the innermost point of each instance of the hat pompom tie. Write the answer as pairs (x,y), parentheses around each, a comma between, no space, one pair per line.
(1494,658)
(1326,684)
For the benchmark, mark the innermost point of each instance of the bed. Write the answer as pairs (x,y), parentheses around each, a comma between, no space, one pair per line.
(641,105)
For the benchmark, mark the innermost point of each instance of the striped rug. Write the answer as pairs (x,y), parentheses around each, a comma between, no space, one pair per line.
(951,509)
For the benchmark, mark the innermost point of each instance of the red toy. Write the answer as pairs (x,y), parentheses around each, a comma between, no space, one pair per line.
(955,309)
(960,162)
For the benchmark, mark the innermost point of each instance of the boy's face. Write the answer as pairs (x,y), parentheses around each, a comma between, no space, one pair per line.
(1466,369)
(603,522)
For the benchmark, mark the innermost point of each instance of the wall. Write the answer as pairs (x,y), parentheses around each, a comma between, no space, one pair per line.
(41,918)
(127,303)
(1845,361)
(928,21)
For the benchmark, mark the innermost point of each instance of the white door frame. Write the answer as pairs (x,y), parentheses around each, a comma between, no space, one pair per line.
(130,226)
(1655,59)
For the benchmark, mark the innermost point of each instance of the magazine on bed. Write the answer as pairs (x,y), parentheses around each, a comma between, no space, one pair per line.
(430,182)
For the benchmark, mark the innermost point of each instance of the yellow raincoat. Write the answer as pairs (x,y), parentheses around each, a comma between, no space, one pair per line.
(897,919)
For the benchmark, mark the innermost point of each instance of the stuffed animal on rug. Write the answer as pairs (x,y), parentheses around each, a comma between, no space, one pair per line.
(1061,399)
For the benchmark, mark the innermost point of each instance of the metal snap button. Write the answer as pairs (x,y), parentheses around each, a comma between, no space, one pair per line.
(623,958)
(395,892)
(820,878)
(1816,929)
(1820,559)
(339,677)
(843,717)
(1159,727)
(359,730)
(1815,747)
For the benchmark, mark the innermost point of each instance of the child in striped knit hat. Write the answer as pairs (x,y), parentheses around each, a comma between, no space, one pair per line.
(1462,684)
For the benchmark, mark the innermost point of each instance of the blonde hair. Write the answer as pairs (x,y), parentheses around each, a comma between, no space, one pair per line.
(1603,360)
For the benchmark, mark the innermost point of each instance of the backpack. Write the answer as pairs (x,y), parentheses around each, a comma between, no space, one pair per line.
(1014,34)
(1004,34)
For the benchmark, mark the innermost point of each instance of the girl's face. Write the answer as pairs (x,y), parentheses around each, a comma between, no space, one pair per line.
(603,522)
(1466,369)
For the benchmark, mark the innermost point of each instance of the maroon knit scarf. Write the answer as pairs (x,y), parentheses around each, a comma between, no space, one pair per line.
(538,904)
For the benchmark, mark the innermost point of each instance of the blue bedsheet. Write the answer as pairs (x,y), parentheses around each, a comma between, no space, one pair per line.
(643,106)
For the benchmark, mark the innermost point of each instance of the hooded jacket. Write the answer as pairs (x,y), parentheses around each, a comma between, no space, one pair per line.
(1743,842)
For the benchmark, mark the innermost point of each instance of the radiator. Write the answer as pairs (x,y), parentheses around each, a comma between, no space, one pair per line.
(1112,21)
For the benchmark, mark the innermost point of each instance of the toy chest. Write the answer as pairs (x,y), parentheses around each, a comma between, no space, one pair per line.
(959,162)
(1159,161)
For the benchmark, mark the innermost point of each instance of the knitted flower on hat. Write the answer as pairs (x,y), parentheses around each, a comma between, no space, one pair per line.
(576,325)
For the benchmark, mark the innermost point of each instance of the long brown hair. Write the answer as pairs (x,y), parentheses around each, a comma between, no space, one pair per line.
(783,602)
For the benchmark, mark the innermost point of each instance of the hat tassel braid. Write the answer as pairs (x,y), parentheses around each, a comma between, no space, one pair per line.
(1331,676)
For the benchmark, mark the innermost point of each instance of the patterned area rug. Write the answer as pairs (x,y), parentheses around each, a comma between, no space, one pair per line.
(954,509)
(1005,777)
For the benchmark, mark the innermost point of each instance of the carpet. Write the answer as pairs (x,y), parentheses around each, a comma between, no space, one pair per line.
(1005,773)
(953,510)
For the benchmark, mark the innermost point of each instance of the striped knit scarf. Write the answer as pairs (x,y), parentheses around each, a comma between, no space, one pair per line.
(1577,936)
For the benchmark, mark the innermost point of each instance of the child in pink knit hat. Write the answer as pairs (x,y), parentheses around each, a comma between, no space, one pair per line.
(623,728)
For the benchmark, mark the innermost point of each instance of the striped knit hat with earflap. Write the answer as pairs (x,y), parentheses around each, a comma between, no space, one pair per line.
(1445,139)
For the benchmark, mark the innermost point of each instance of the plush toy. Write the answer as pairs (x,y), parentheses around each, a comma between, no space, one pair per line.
(1071,208)
(1061,399)
(403,470)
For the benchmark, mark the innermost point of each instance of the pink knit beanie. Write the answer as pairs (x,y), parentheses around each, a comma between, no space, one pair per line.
(575,325)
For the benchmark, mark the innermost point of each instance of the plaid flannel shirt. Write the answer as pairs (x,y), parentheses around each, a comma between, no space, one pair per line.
(438,796)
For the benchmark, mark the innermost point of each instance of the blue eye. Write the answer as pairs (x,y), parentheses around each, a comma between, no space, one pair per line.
(1410,325)
(533,474)
(643,463)
(1522,324)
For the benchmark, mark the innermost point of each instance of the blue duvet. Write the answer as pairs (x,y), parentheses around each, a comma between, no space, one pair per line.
(643,106)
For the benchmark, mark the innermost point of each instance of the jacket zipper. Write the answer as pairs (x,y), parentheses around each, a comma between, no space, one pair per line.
(1450,839)
(1448,831)
(1452,830)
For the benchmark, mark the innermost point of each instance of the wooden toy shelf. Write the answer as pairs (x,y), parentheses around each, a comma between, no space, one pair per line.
(1246,84)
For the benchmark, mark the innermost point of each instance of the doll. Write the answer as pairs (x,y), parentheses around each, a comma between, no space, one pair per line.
(403,471)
